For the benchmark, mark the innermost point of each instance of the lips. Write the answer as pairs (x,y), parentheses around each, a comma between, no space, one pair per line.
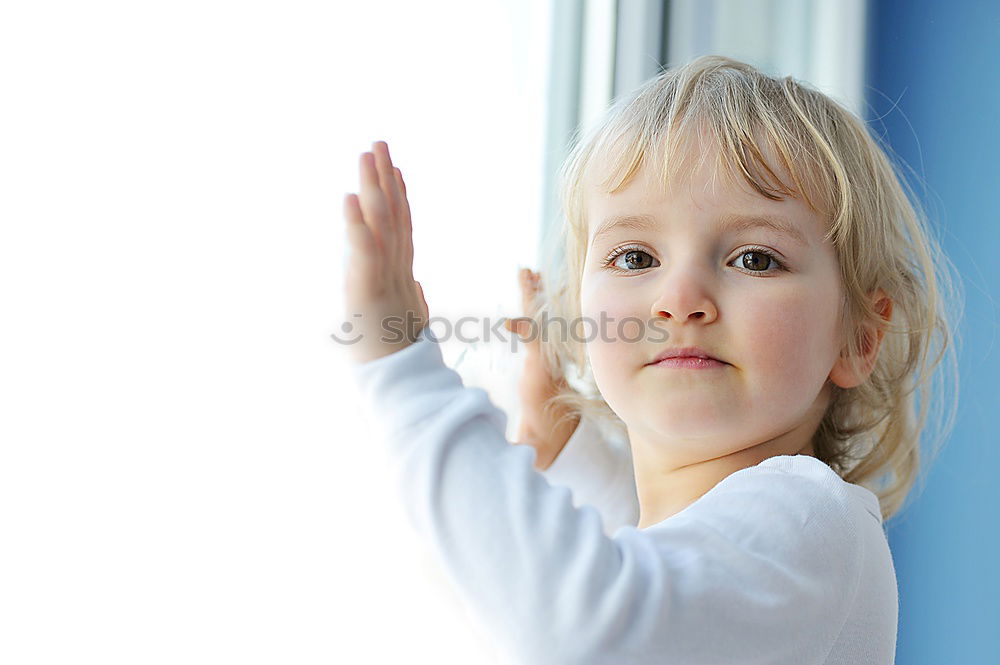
(686,352)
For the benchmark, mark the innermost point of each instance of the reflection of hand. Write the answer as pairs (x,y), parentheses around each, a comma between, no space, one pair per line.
(385,306)
(540,427)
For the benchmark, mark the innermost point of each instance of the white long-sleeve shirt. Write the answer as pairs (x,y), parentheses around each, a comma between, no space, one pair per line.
(598,473)
(782,562)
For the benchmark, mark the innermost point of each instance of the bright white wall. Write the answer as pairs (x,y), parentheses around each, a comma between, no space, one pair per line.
(183,478)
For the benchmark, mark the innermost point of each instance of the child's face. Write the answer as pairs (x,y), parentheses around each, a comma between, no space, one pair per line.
(777,329)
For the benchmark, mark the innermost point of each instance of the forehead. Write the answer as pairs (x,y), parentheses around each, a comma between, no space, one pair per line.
(701,192)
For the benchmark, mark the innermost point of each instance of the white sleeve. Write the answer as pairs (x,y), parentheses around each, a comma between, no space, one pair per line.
(763,568)
(599,474)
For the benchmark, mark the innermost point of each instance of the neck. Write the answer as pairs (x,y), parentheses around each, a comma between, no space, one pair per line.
(670,475)
(665,487)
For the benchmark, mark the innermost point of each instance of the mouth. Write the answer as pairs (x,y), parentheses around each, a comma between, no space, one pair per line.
(689,357)
(688,362)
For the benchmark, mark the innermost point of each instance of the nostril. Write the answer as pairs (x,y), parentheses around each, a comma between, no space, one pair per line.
(693,315)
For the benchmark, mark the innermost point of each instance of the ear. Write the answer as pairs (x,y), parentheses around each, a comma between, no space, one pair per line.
(849,372)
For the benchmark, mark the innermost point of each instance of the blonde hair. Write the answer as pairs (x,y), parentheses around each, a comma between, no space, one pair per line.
(870,434)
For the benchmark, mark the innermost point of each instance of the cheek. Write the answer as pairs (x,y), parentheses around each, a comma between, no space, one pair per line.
(615,340)
(614,317)
(618,298)
(786,339)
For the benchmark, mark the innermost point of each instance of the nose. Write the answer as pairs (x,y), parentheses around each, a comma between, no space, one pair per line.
(683,298)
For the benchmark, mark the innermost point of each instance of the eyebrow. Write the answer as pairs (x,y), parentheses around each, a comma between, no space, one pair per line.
(732,223)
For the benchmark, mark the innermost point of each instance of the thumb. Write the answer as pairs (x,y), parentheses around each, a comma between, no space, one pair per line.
(520,326)
(527,330)
(530,283)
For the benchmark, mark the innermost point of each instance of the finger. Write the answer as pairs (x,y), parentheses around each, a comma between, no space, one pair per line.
(423,301)
(517,326)
(374,206)
(407,225)
(402,183)
(387,181)
(529,291)
(404,203)
(529,279)
(359,238)
(526,329)
(394,197)
(357,231)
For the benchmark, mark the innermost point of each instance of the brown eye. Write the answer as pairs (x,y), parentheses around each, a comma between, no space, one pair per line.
(629,259)
(757,261)
(636,259)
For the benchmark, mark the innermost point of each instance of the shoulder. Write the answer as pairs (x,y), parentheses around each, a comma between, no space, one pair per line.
(771,552)
(793,508)
(806,483)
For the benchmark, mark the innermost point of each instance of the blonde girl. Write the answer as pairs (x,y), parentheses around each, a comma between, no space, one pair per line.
(756,301)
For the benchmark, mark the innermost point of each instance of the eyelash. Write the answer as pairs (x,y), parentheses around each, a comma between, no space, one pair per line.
(615,253)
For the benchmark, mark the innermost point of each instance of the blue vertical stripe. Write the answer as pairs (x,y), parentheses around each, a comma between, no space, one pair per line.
(934,93)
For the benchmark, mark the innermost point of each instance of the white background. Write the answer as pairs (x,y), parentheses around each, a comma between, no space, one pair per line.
(182,474)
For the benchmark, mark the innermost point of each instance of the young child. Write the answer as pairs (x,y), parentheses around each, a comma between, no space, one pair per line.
(765,299)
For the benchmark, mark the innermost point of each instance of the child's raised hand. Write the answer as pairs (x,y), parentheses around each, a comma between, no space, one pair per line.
(385,305)
(545,429)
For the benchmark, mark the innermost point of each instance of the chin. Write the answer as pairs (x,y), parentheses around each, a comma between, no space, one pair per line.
(692,424)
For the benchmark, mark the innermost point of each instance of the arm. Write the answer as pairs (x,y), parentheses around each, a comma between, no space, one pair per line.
(752,566)
(599,474)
